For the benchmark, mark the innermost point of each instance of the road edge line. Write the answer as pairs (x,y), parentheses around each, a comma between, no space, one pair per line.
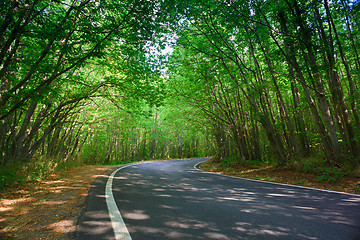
(196,167)
(120,230)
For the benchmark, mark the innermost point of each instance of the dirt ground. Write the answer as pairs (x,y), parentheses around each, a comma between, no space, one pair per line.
(47,209)
(349,183)
(50,209)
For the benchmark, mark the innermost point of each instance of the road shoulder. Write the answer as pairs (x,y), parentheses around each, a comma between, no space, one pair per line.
(48,209)
(349,184)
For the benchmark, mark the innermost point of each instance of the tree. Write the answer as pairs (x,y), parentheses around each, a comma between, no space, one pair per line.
(265,52)
(47,52)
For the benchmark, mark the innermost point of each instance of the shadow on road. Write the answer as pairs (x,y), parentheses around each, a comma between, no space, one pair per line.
(161,201)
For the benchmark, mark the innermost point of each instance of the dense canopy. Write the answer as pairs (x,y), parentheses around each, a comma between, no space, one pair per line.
(100,81)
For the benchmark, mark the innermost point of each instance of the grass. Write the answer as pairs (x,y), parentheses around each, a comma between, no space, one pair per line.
(263,178)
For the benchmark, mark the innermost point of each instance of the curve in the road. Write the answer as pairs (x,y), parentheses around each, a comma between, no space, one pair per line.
(117,222)
(196,167)
(120,230)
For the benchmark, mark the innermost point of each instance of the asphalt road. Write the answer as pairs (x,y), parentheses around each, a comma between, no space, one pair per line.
(173,200)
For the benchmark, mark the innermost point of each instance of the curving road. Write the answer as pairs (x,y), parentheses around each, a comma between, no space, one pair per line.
(173,200)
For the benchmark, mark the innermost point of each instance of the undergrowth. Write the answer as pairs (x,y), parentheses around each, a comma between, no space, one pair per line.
(117,162)
(40,167)
(324,171)
(233,160)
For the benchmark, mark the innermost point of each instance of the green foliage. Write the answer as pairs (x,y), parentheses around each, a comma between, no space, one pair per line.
(256,163)
(39,168)
(309,166)
(239,62)
(229,161)
(356,187)
(324,172)
(330,175)
(263,178)
(150,133)
(62,57)
(235,160)
(301,182)
(88,81)
(119,162)
(9,176)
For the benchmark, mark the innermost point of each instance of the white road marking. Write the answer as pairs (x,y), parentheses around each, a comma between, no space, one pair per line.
(118,224)
(196,166)
(119,227)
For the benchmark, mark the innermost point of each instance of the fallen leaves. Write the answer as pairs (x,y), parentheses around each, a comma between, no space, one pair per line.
(46,209)
(288,176)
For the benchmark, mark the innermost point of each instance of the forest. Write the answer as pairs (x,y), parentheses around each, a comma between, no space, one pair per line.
(109,82)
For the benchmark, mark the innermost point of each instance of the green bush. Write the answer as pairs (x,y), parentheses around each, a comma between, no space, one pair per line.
(330,175)
(9,176)
(40,167)
(308,167)
(256,163)
(324,172)
(229,161)
(235,160)
(356,187)
(64,164)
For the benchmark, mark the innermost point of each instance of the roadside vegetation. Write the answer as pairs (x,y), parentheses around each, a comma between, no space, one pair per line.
(319,176)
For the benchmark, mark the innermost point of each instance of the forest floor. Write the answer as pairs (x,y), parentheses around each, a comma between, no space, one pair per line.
(349,183)
(49,209)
